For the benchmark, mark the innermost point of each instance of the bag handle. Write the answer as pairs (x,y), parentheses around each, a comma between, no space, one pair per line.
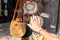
(15,10)
(19,6)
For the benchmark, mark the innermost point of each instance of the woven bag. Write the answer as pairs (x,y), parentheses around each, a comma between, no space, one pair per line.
(17,28)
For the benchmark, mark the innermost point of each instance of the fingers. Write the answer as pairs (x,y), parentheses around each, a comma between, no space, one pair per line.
(38,19)
(41,20)
(29,25)
(31,20)
(34,19)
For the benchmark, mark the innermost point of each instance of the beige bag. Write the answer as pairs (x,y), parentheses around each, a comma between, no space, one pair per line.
(17,28)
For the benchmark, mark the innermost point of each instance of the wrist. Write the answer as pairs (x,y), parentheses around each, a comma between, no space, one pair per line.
(40,30)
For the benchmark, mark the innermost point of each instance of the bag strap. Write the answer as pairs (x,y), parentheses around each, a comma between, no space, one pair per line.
(15,10)
(20,9)
(19,6)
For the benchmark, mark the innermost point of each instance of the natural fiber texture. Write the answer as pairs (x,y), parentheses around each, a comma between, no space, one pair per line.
(17,29)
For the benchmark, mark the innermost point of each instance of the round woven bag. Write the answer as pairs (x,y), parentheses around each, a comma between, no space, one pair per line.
(17,28)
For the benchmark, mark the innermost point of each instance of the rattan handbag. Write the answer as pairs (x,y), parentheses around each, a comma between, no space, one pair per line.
(17,28)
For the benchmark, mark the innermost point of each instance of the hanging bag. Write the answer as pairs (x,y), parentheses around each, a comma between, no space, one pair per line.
(17,28)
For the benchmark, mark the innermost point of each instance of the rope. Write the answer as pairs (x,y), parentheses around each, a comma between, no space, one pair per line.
(15,10)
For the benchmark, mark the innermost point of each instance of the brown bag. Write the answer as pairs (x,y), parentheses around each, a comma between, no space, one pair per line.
(17,28)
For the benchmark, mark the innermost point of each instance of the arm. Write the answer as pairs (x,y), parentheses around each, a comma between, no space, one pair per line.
(35,25)
(47,35)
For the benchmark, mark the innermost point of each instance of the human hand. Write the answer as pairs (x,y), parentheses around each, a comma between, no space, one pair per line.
(35,23)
